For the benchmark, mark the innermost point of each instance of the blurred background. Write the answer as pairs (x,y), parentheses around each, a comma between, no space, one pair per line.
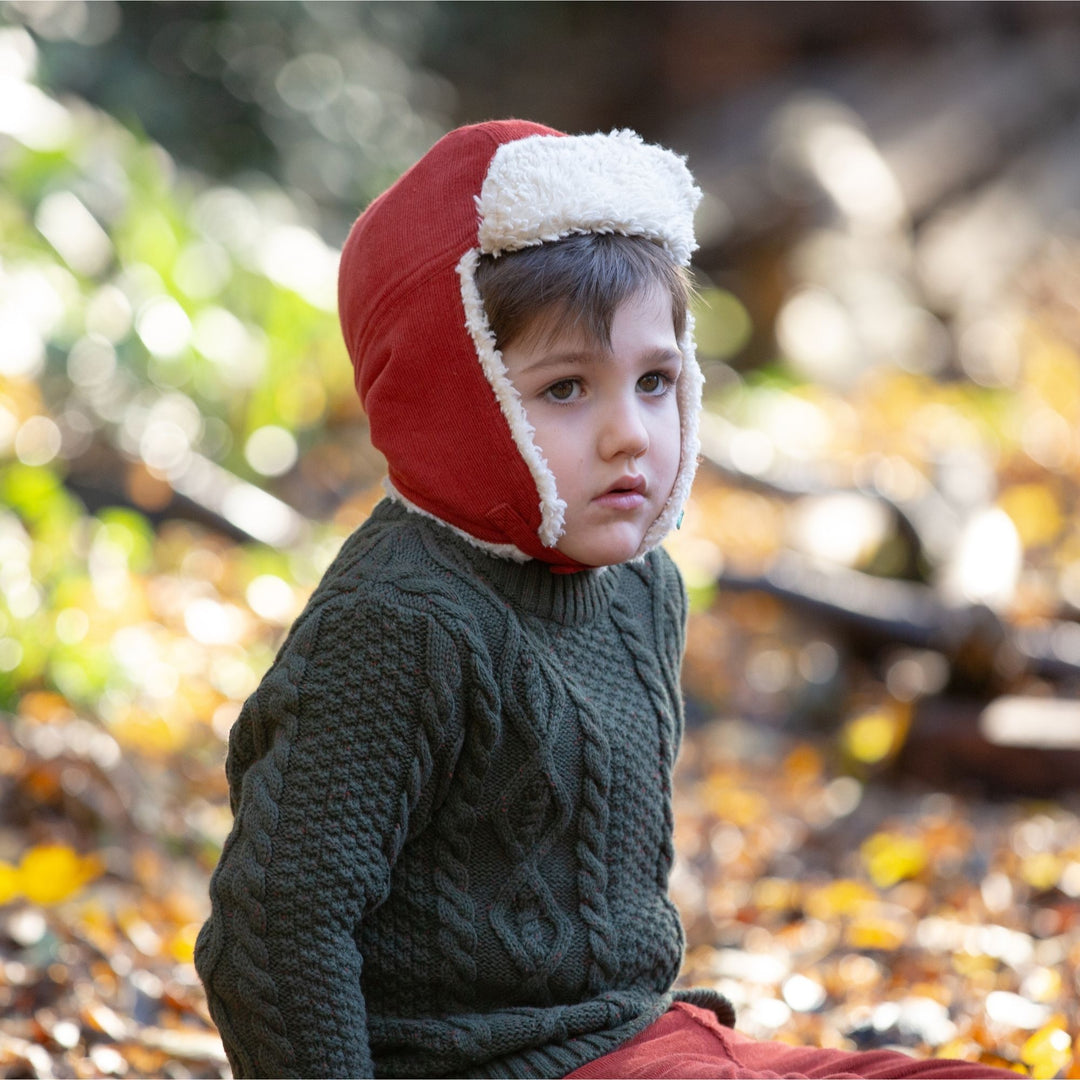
(878,809)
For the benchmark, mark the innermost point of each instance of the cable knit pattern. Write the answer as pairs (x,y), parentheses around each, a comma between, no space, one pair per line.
(249,849)
(452,818)
(591,845)
(655,667)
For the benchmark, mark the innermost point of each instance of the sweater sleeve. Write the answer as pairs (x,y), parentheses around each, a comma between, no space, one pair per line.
(671,611)
(328,766)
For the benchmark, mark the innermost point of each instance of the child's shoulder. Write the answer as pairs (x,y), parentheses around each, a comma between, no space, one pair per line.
(388,589)
(396,558)
(659,576)
(661,567)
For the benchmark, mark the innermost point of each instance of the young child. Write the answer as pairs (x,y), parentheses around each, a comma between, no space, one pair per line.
(452,790)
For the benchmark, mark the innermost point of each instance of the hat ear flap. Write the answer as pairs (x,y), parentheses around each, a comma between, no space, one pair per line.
(552,508)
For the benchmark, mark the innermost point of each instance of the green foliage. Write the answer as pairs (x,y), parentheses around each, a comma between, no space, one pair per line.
(153,319)
(722,325)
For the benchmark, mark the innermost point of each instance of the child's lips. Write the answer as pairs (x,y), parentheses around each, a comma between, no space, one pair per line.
(627,493)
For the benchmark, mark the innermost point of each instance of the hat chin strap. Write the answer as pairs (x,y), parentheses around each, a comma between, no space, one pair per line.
(503,551)
(508,521)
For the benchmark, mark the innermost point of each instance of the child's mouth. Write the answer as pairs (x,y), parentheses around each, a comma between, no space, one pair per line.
(625,494)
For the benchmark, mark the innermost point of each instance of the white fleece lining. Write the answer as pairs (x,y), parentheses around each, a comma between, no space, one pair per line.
(546,187)
(552,508)
(504,551)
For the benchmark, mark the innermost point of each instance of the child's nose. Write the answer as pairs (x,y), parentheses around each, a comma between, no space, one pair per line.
(623,431)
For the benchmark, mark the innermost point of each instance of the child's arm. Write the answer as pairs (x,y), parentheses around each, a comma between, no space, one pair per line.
(327,764)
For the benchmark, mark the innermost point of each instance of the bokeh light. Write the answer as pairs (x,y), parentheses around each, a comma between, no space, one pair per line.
(882,549)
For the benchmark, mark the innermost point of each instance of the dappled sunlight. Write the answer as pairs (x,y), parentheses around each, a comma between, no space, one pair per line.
(794,928)
(882,550)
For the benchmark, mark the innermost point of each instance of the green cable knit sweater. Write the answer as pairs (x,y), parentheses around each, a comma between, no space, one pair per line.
(453,819)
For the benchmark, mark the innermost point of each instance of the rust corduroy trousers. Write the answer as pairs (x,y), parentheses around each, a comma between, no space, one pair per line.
(689,1042)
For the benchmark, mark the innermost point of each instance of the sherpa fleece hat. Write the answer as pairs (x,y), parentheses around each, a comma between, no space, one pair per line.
(440,405)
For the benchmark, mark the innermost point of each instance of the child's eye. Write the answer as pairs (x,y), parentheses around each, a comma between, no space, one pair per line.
(656,383)
(563,390)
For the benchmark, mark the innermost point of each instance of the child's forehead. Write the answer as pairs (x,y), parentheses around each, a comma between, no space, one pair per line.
(562,323)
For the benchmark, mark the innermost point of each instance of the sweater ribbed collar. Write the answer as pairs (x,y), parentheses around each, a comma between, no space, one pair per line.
(533,589)
(529,587)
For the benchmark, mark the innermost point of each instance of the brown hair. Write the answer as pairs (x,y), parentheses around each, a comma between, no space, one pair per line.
(581,279)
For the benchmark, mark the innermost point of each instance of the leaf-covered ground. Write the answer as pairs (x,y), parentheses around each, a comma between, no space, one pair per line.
(859,915)
(830,911)
(158,327)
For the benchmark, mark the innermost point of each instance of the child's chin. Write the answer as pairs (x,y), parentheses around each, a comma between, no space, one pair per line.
(602,551)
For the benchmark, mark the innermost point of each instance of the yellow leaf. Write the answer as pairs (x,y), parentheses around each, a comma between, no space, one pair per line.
(1052,371)
(1048,1051)
(1036,512)
(1041,871)
(876,931)
(1043,984)
(891,857)
(976,968)
(874,736)
(182,944)
(734,805)
(9,883)
(52,873)
(775,894)
(152,734)
(841,897)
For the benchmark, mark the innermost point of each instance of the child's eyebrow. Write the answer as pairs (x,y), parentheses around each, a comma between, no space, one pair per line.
(597,355)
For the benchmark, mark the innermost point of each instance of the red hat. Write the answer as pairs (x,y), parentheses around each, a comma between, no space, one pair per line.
(439,403)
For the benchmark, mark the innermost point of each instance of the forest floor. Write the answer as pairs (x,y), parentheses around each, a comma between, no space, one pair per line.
(830,911)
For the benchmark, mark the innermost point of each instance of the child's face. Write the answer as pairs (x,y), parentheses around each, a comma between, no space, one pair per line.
(607,421)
